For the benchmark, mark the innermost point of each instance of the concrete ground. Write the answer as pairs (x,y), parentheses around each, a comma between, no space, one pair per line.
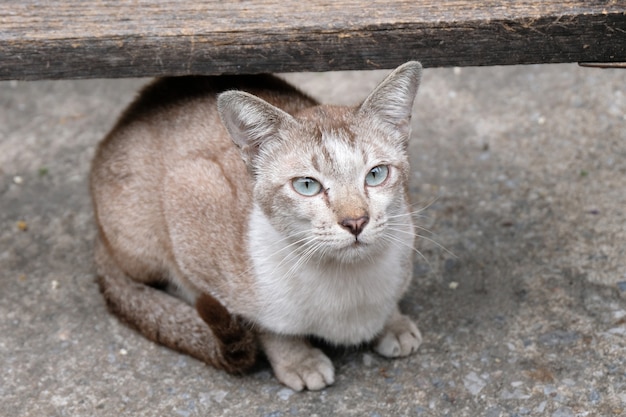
(523,171)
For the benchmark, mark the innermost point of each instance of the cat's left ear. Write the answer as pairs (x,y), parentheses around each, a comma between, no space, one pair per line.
(392,101)
(250,121)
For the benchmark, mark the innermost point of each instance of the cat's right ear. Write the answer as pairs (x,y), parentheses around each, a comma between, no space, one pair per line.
(392,101)
(250,121)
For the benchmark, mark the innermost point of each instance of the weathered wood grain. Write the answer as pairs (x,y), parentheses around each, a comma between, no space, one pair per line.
(132,38)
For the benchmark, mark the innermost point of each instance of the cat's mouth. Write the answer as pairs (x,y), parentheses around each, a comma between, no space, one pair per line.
(354,251)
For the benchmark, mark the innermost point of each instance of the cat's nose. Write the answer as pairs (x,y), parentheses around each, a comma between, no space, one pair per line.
(355,226)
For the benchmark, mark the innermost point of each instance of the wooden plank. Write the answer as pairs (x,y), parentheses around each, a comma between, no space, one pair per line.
(133,38)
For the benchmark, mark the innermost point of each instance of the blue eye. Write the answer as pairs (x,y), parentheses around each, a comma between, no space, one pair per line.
(306,186)
(377,175)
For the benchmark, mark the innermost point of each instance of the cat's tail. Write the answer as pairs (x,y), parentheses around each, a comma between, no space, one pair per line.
(208,332)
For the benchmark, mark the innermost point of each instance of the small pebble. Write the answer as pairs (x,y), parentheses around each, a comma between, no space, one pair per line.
(559,338)
(453,285)
(367,360)
(541,407)
(563,412)
(517,394)
(620,331)
(123,352)
(22,225)
(594,396)
(18,180)
(494,412)
(473,383)
(218,395)
(285,393)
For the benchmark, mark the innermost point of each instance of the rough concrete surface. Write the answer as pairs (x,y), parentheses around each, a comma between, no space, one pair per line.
(520,288)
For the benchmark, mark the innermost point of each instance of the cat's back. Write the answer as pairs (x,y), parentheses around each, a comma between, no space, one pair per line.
(171,98)
(178,111)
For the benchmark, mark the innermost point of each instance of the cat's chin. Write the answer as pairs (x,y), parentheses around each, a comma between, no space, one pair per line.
(356,251)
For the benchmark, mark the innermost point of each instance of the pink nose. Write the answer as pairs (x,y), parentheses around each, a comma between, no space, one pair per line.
(355,226)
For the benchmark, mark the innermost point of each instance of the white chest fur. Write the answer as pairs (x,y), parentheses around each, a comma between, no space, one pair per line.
(341,303)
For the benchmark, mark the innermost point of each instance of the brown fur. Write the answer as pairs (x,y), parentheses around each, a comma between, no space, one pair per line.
(237,343)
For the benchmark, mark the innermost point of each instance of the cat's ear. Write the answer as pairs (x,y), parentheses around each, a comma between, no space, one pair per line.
(250,121)
(392,101)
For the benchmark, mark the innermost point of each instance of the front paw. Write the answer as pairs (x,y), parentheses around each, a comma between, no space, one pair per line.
(400,337)
(313,371)
(297,364)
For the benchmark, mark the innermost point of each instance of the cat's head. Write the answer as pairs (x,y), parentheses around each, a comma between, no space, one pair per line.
(331,178)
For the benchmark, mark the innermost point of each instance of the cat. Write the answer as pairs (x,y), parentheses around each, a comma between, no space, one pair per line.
(236,215)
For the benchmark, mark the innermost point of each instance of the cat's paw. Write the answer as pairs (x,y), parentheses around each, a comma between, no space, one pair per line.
(311,370)
(400,337)
(296,363)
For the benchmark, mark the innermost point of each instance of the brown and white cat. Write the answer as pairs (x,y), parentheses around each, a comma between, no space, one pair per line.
(266,217)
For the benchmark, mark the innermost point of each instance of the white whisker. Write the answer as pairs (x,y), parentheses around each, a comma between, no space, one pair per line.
(417,226)
(297,253)
(416,212)
(309,250)
(400,243)
(429,204)
(426,238)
